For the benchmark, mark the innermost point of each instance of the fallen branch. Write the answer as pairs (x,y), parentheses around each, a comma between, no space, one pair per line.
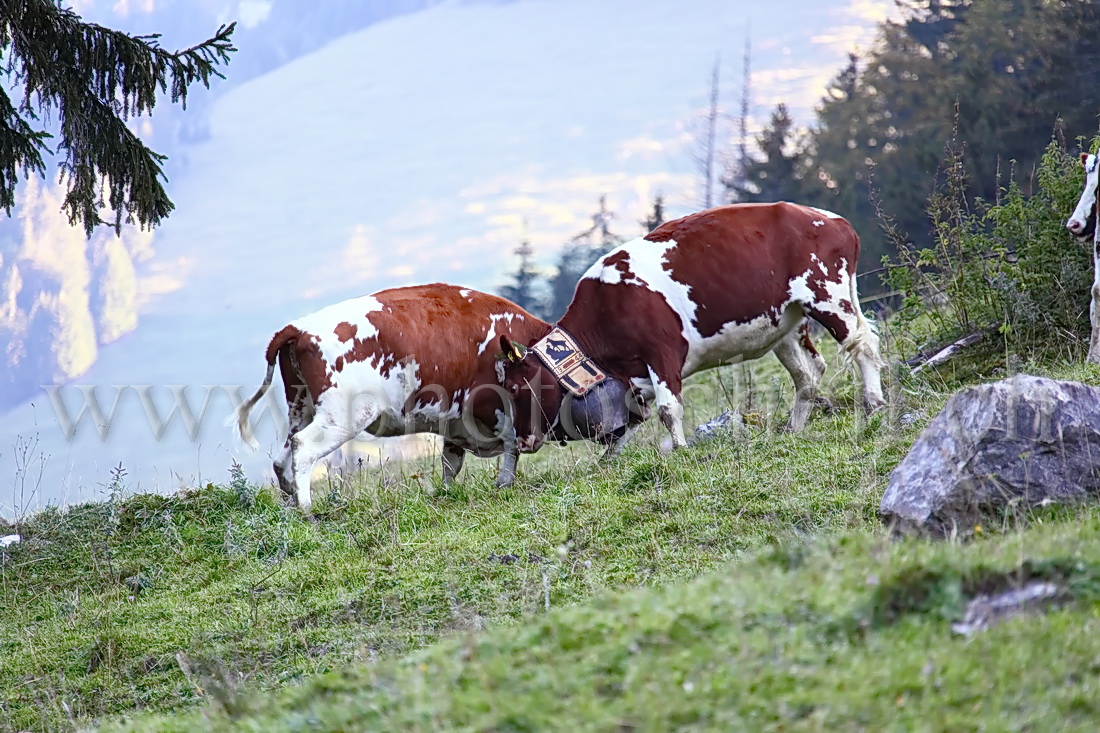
(920,362)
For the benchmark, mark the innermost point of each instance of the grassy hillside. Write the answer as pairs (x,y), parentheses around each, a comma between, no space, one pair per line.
(745,579)
(851,632)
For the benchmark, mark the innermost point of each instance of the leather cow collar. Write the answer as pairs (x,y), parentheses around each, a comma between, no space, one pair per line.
(570,366)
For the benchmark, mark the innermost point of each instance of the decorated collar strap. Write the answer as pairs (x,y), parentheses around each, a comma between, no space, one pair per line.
(562,356)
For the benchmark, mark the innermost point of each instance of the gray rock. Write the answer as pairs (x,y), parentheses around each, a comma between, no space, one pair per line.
(729,421)
(908,418)
(989,609)
(1024,440)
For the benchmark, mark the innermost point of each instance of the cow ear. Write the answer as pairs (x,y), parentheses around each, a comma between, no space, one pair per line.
(510,349)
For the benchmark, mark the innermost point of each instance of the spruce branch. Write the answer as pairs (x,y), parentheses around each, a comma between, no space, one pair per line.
(20,147)
(93,79)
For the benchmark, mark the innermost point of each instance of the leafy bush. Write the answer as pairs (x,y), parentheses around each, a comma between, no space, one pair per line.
(1009,267)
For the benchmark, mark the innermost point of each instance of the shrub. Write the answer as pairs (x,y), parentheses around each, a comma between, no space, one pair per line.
(1009,267)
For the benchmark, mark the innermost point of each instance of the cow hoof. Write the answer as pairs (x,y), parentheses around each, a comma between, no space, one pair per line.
(668,446)
(502,483)
(871,408)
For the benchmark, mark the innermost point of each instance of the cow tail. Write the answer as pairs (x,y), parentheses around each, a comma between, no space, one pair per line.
(241,416)
(866,338)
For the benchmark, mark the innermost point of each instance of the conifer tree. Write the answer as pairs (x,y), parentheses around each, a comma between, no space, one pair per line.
(523,290)
(85,81)
(778,175)
(657,218)
(577,256)
(892,113)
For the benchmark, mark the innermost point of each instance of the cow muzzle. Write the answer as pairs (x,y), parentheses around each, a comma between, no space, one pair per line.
(529,443)
(1083,231)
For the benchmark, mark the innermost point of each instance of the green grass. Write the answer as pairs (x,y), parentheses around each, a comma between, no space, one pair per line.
(843,633)
(725,585)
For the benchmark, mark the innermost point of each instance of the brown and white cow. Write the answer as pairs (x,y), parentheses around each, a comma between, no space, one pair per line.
(1082,224)
(420,359)
(723,285)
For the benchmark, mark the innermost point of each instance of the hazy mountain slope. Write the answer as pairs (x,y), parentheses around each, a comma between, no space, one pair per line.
(63,294)
(414,151)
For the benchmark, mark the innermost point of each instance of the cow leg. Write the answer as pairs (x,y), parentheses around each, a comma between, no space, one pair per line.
(299,414)
(284,471)
(507,432)
(616,446)
(333,425)
(797,353)
(453,456)
(843,319)
(1094,306)
(1094,338)
(669,407)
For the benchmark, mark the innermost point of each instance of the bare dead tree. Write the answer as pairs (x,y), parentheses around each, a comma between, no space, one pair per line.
(734,179)
(706,146)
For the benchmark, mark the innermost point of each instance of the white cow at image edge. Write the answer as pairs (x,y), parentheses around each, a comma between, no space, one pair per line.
(1082,225)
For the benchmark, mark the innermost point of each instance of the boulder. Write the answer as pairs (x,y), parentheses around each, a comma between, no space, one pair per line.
(1023,441)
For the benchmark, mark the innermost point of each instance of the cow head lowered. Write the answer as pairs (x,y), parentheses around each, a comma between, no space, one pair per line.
(543,409)
(1082,224)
